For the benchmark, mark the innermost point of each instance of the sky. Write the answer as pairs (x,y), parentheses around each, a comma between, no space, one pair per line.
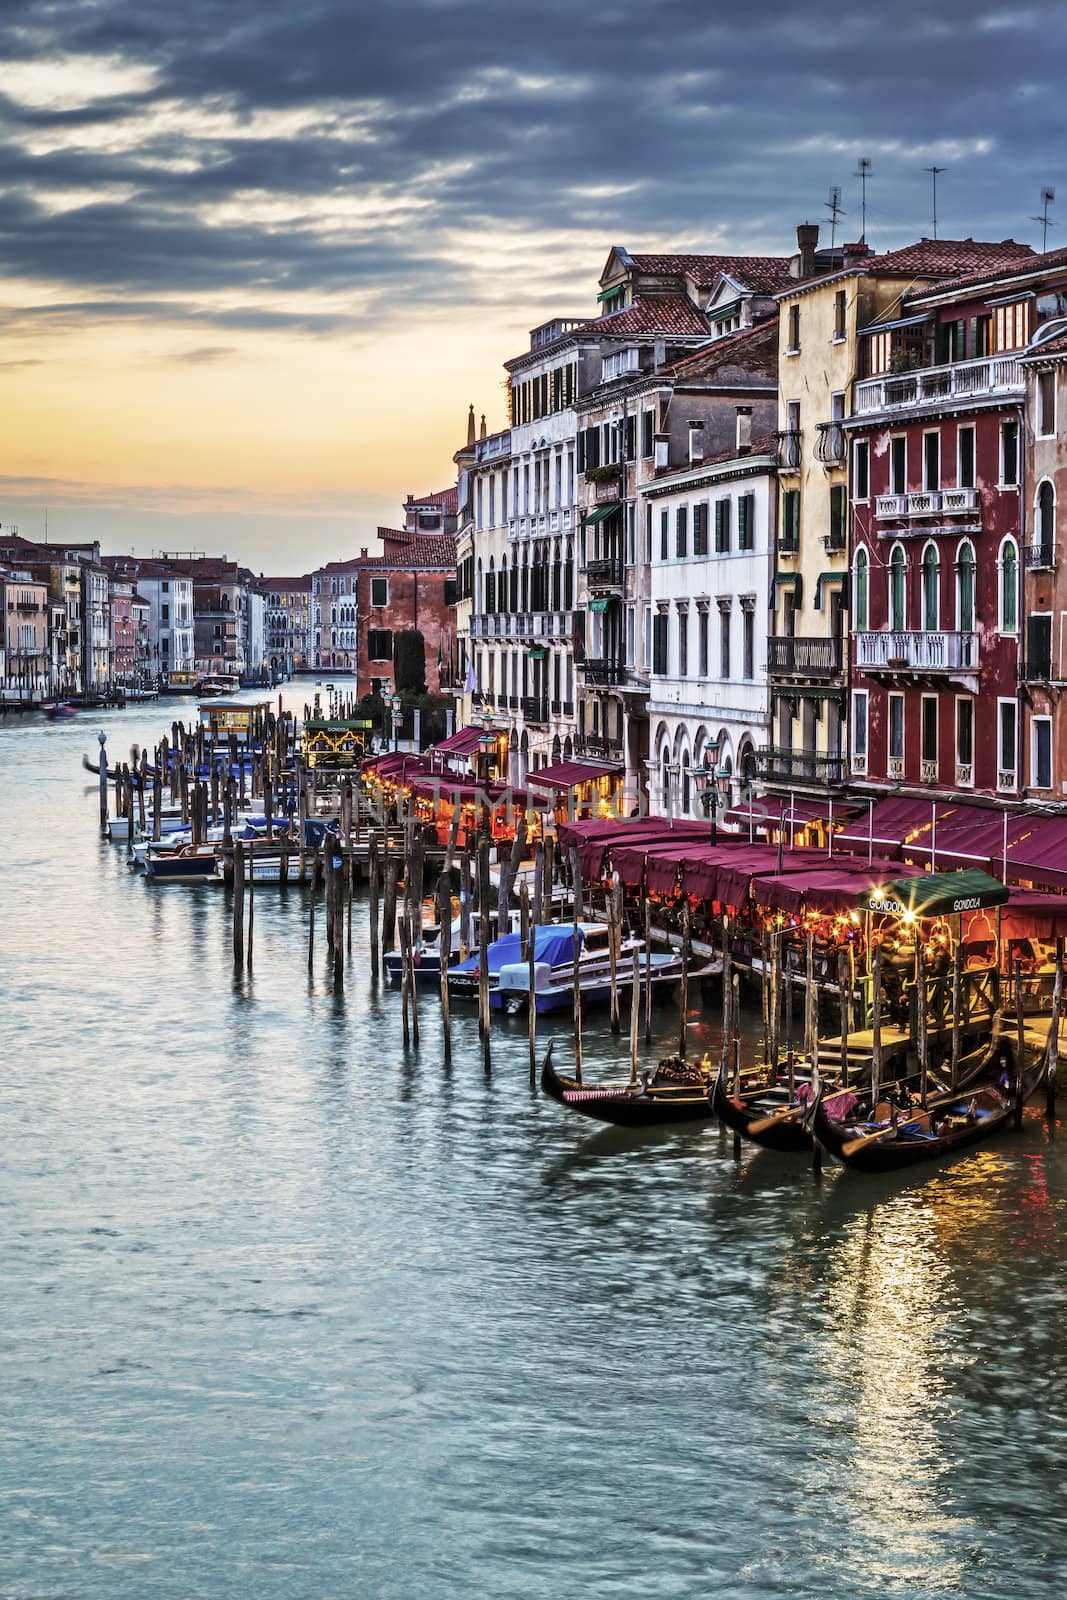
(256,259)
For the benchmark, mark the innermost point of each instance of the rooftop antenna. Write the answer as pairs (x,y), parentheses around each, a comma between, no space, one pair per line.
(863,172)
(934,171)
(1047,197)
(836,210)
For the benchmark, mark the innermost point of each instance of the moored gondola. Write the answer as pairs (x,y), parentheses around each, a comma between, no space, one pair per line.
(891,1137)
(673,1093)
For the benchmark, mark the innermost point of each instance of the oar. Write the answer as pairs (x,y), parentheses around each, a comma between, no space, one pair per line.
(871,1138)
(790,1114)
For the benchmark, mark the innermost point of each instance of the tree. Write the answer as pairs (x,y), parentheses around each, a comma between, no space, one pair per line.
(409,661)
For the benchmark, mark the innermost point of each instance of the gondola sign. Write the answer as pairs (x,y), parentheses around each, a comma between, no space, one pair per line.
(893,907)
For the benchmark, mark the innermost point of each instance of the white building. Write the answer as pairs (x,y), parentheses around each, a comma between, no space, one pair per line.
(256,623)
(170,628)
(712,534)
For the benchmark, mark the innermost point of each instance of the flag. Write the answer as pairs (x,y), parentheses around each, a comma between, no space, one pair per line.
(470,683)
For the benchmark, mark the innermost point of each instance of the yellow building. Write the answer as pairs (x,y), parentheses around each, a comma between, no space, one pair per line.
(808,651)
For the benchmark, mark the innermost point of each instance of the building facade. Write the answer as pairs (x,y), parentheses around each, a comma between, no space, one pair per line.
(24,605)
(288,624)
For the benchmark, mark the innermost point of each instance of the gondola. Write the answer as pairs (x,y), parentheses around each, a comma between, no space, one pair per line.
(891,1139)
(673,1093)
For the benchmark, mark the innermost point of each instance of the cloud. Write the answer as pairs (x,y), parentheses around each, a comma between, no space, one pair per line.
(205,354)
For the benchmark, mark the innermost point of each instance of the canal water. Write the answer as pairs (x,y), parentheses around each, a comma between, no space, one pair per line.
(287,1313)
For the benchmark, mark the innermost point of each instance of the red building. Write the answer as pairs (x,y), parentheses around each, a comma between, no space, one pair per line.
(936,466)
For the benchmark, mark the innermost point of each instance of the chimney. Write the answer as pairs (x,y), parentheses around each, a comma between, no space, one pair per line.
(696,440)
(744,430)
(659,354)
(807,244)
(470,427)
(482,433)
(662,446)
(853,254)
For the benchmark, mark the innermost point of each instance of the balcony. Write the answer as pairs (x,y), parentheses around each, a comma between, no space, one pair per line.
(604,574)
(957,500)
(933,386)
(926,652)
(1040,557)
(830,446)
(790,452)
(792,657)
(798,766)
(533,709)
(601,749)
(602,672)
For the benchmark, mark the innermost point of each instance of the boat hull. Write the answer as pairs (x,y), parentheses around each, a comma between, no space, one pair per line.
(624,1107)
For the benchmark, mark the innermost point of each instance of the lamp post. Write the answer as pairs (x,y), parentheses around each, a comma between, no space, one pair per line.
(707,777)
(397,720)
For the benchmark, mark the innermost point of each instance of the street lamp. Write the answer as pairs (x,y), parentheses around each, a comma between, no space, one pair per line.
(397,720)
(706,777)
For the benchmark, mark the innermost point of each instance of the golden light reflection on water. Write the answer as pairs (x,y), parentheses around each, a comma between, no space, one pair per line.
(891,1304)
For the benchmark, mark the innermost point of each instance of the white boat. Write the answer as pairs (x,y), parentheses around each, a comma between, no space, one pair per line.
(553,978)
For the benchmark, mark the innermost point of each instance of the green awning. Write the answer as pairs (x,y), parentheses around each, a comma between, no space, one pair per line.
(724,311)
(939,894)
(790,580)
(591,518)
(537,652)
(599,604)
(825,578)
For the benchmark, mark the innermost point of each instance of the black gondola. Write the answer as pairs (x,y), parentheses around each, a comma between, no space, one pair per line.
(673,1093)
(778,1121)
(947,1123)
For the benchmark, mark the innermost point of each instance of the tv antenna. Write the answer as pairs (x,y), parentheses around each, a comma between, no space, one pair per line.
(863,172)
(934,174)
(836,210)
(1047,197)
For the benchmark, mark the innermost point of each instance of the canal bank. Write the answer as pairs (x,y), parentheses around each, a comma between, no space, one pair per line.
(291,1311)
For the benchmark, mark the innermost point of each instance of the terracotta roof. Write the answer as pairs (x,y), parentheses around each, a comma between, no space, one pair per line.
(759,342)
(1027,261)
(1048,347)
(446,499)
(948,257)
(283,583)
(704,270)
(418,550)
(653,313)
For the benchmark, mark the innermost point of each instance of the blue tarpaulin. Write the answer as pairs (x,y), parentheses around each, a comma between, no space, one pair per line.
(551,944)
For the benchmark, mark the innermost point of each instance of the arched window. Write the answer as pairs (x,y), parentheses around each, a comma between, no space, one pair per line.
(898,577)
(478,606)
(965,587)
(490,587)
(687,798)
(665,778)
(1008,608)
(861,588)
(1046,522)
(502,591)
(931,589)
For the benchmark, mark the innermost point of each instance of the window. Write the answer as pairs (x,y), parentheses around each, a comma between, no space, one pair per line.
(165,586)
(164,613)
(648,432)
(965,587)
(861,590)
(965,458)
(837,537)
(1009,453)
(379,592)
(928,749)
(861,469)
(746,522)
(681,531)
(724,639)
(839,314)
(794,331)
(1046,523)
(1041,753)
(700,529)
(664,535)
(379,644)
(898,577)
(722,527)
(859,729)
(898,465)
(1007,714)
(1046,404)
(702,642)
(748,640)
(659,643)
(1008,608)
(931,589)
(629,444)
(931,461)
(965,741)
(790,536)
(1039,646)
(951,340)
(896,727)
(683,643)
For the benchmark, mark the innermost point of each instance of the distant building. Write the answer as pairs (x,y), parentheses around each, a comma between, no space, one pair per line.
(24,606)
(288,623)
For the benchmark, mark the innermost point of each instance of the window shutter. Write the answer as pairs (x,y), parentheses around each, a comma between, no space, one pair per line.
(648,419)
(681,530)
(581,450)
(631,437)
(746,507)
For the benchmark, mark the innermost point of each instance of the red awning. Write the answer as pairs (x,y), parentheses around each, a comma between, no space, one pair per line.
(1030,914)
(462,743)
(767,812)
(834,888)
(892,824)
(395,764)
(1041,857)
(972,836)
(569,774)
(439,786)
